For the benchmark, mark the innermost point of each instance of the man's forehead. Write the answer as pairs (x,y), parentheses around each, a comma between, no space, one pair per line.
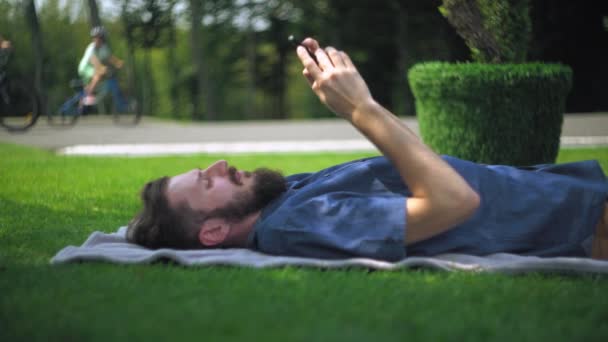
(172,190)
(178,185)
(177,180)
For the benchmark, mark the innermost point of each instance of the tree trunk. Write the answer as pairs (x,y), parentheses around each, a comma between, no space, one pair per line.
(34,26)
(94,13)
(465,16)
(174,70)
(202,86)
(250,110)
(403,60)
(195,27)
(147,85)
(278,32)
(132,84)
(283,111)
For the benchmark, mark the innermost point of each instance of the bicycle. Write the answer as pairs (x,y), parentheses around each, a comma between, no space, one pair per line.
(125,109)
(19,102)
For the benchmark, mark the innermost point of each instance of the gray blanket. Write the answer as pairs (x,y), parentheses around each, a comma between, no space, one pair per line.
(114,248)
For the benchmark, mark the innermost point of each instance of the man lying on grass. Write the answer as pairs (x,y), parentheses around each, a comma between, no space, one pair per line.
(411,202)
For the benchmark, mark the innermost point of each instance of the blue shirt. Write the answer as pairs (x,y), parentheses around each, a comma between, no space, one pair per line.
(357,209)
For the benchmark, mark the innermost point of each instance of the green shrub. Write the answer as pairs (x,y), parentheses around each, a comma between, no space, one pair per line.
(492,113)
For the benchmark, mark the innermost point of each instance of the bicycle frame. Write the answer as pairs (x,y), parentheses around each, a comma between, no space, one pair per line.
(125,109)
(71,106)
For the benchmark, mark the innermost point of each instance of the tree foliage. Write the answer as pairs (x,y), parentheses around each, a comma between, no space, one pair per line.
(244,68)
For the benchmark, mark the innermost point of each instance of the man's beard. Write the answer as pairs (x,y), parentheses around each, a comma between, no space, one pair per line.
(267,185)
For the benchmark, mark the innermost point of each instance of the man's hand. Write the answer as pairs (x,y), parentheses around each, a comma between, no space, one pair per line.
(440,198)
(335,79)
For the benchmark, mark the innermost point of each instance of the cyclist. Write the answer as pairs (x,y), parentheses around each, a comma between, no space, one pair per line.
(97,63)
(5,54)
(5,50)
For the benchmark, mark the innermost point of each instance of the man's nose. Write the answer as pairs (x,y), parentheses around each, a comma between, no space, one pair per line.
(219,168)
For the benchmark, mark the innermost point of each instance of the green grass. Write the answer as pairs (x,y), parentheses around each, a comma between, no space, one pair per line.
(48,202)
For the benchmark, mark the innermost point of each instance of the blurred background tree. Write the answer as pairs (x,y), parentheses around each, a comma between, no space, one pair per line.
(38,49)
(228,59)
(148,26)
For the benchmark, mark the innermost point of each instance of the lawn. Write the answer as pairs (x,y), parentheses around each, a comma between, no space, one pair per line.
(48,202)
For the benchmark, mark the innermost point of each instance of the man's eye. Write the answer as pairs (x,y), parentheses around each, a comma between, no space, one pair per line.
(205,180)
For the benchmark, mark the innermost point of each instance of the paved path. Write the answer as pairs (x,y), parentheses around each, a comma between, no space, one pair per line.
(98,135)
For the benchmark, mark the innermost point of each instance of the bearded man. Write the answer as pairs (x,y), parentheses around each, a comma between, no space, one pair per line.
(409,202)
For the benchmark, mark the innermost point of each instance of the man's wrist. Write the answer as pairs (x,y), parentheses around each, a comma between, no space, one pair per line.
(363,111)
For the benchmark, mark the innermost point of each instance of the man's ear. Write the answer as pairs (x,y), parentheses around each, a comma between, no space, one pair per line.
(213,232)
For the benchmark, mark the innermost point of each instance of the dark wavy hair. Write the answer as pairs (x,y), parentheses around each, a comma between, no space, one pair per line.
(158,225)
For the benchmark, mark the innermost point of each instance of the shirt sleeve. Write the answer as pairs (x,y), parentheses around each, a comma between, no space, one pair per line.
(345,225)
(85,61)
(103,53)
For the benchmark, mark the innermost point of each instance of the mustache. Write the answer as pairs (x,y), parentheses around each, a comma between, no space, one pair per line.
(232,175)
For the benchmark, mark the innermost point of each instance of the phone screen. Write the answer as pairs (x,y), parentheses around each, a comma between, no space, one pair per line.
(295,42)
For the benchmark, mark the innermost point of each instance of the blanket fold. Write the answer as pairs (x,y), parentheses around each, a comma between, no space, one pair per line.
(113,247)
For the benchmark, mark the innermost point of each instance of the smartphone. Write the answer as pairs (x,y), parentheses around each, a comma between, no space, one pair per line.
(295,42)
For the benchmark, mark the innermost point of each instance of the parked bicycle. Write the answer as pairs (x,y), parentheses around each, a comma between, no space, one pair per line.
(19,102)
(125,108)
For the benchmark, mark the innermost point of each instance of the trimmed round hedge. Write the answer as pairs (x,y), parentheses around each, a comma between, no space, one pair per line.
(508,114)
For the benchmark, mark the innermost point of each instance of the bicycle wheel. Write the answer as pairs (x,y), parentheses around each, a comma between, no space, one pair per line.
(19,106)
(67,113)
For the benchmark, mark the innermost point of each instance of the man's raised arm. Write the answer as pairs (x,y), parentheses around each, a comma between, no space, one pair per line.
(441,198)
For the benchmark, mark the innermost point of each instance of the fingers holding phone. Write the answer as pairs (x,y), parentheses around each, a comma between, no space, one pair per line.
(309,44)
(334,78)
(320,57)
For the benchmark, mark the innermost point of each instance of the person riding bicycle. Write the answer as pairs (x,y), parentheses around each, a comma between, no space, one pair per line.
(5,50)
(97,63)
(5,54)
